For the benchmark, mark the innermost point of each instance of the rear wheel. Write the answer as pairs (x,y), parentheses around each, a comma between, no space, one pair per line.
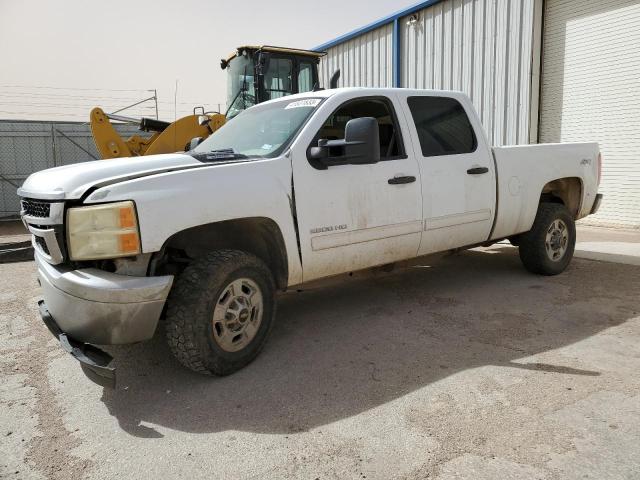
(220,312)
(547,249)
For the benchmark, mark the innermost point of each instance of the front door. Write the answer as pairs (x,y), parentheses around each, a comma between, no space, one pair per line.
(352,217)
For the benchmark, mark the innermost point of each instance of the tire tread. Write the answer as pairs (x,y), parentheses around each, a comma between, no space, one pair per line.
(531,244)
(187,308)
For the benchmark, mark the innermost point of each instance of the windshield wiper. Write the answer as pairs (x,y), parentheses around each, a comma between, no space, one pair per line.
(217,155)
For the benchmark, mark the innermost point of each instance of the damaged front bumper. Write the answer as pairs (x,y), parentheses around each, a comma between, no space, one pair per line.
(90,306)
(95,363)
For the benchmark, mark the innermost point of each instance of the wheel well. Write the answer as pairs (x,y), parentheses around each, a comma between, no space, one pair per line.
(567,191)
(257,235)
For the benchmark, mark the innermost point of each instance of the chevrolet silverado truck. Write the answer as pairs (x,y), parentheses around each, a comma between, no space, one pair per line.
(292,190)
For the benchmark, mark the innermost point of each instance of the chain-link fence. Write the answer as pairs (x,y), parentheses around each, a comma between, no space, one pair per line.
(30,146)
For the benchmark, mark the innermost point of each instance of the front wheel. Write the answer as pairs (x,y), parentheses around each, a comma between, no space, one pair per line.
(220,312)
(547,249)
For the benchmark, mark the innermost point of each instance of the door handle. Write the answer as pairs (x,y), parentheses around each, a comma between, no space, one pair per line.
(477,170)
(401,180)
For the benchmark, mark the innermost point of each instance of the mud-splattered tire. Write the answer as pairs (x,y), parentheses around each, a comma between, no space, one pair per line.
(548,247)
(220,312)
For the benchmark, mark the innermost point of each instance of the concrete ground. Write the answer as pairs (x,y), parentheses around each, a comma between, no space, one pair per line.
(469,368)
(609,245)
(12,230)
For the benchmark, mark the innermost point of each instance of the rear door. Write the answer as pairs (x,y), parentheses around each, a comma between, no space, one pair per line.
(456,168)
(352,217)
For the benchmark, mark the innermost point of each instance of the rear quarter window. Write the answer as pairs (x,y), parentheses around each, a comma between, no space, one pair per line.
(443,126)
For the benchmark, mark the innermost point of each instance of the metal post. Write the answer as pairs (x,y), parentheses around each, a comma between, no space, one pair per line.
(396,53)
(155,97)
(53,146)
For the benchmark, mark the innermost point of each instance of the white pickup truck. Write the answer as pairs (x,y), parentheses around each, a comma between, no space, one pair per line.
(289,191)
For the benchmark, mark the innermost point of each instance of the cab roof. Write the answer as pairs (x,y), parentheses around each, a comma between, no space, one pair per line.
(271,48)
(372,92)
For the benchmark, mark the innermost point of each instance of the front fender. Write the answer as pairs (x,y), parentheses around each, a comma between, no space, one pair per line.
(171,202)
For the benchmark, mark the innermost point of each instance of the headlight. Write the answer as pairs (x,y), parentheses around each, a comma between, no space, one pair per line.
(103,231)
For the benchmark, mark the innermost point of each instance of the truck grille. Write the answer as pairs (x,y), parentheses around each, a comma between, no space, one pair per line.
(42,244)
(44,219)
(35,208)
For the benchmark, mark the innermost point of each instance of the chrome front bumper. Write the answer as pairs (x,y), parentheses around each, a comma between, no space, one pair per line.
(94,306)
(95,363)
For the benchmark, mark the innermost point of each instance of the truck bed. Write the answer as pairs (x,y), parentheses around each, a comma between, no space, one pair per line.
(523,171)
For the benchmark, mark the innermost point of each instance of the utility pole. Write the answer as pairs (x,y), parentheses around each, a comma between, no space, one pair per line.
(155,97)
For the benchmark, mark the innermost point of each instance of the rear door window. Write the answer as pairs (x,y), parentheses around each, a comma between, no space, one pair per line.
(443,126)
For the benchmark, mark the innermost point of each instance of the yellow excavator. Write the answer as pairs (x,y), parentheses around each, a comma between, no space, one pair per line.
(254,74)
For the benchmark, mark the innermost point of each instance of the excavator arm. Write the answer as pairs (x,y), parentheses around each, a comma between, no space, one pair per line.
(167,137)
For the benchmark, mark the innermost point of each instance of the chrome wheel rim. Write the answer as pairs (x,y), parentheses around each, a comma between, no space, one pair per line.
(556,240)
(237,315)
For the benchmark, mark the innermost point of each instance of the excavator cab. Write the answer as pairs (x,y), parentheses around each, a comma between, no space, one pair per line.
(256,74)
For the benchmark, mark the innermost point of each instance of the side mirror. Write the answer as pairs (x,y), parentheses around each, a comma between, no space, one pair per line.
(361,145)
(362,136)
(193,143)
(203,120)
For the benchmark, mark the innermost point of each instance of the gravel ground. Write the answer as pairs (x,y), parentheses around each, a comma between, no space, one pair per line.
(467,368)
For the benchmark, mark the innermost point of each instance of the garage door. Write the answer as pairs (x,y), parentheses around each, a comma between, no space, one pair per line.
(591,91)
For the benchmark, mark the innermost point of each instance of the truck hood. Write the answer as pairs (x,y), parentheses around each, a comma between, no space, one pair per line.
(72,181)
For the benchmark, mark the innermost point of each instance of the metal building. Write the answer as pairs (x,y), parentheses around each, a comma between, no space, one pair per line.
(591,91)
(536,70)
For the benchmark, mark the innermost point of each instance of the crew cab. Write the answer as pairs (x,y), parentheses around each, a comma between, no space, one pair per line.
(292,190)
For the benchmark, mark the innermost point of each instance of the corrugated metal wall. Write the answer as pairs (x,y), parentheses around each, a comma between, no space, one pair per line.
(591,65)
(489,49)
(365,61)
(26,147)
(483,48)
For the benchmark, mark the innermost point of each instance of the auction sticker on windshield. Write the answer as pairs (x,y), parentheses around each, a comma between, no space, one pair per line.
(307,102)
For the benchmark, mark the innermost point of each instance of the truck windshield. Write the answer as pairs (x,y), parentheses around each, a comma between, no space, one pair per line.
(240,86)
(261,131)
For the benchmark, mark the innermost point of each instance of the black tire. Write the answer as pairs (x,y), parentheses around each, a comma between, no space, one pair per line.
(533,249)
(190,325)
